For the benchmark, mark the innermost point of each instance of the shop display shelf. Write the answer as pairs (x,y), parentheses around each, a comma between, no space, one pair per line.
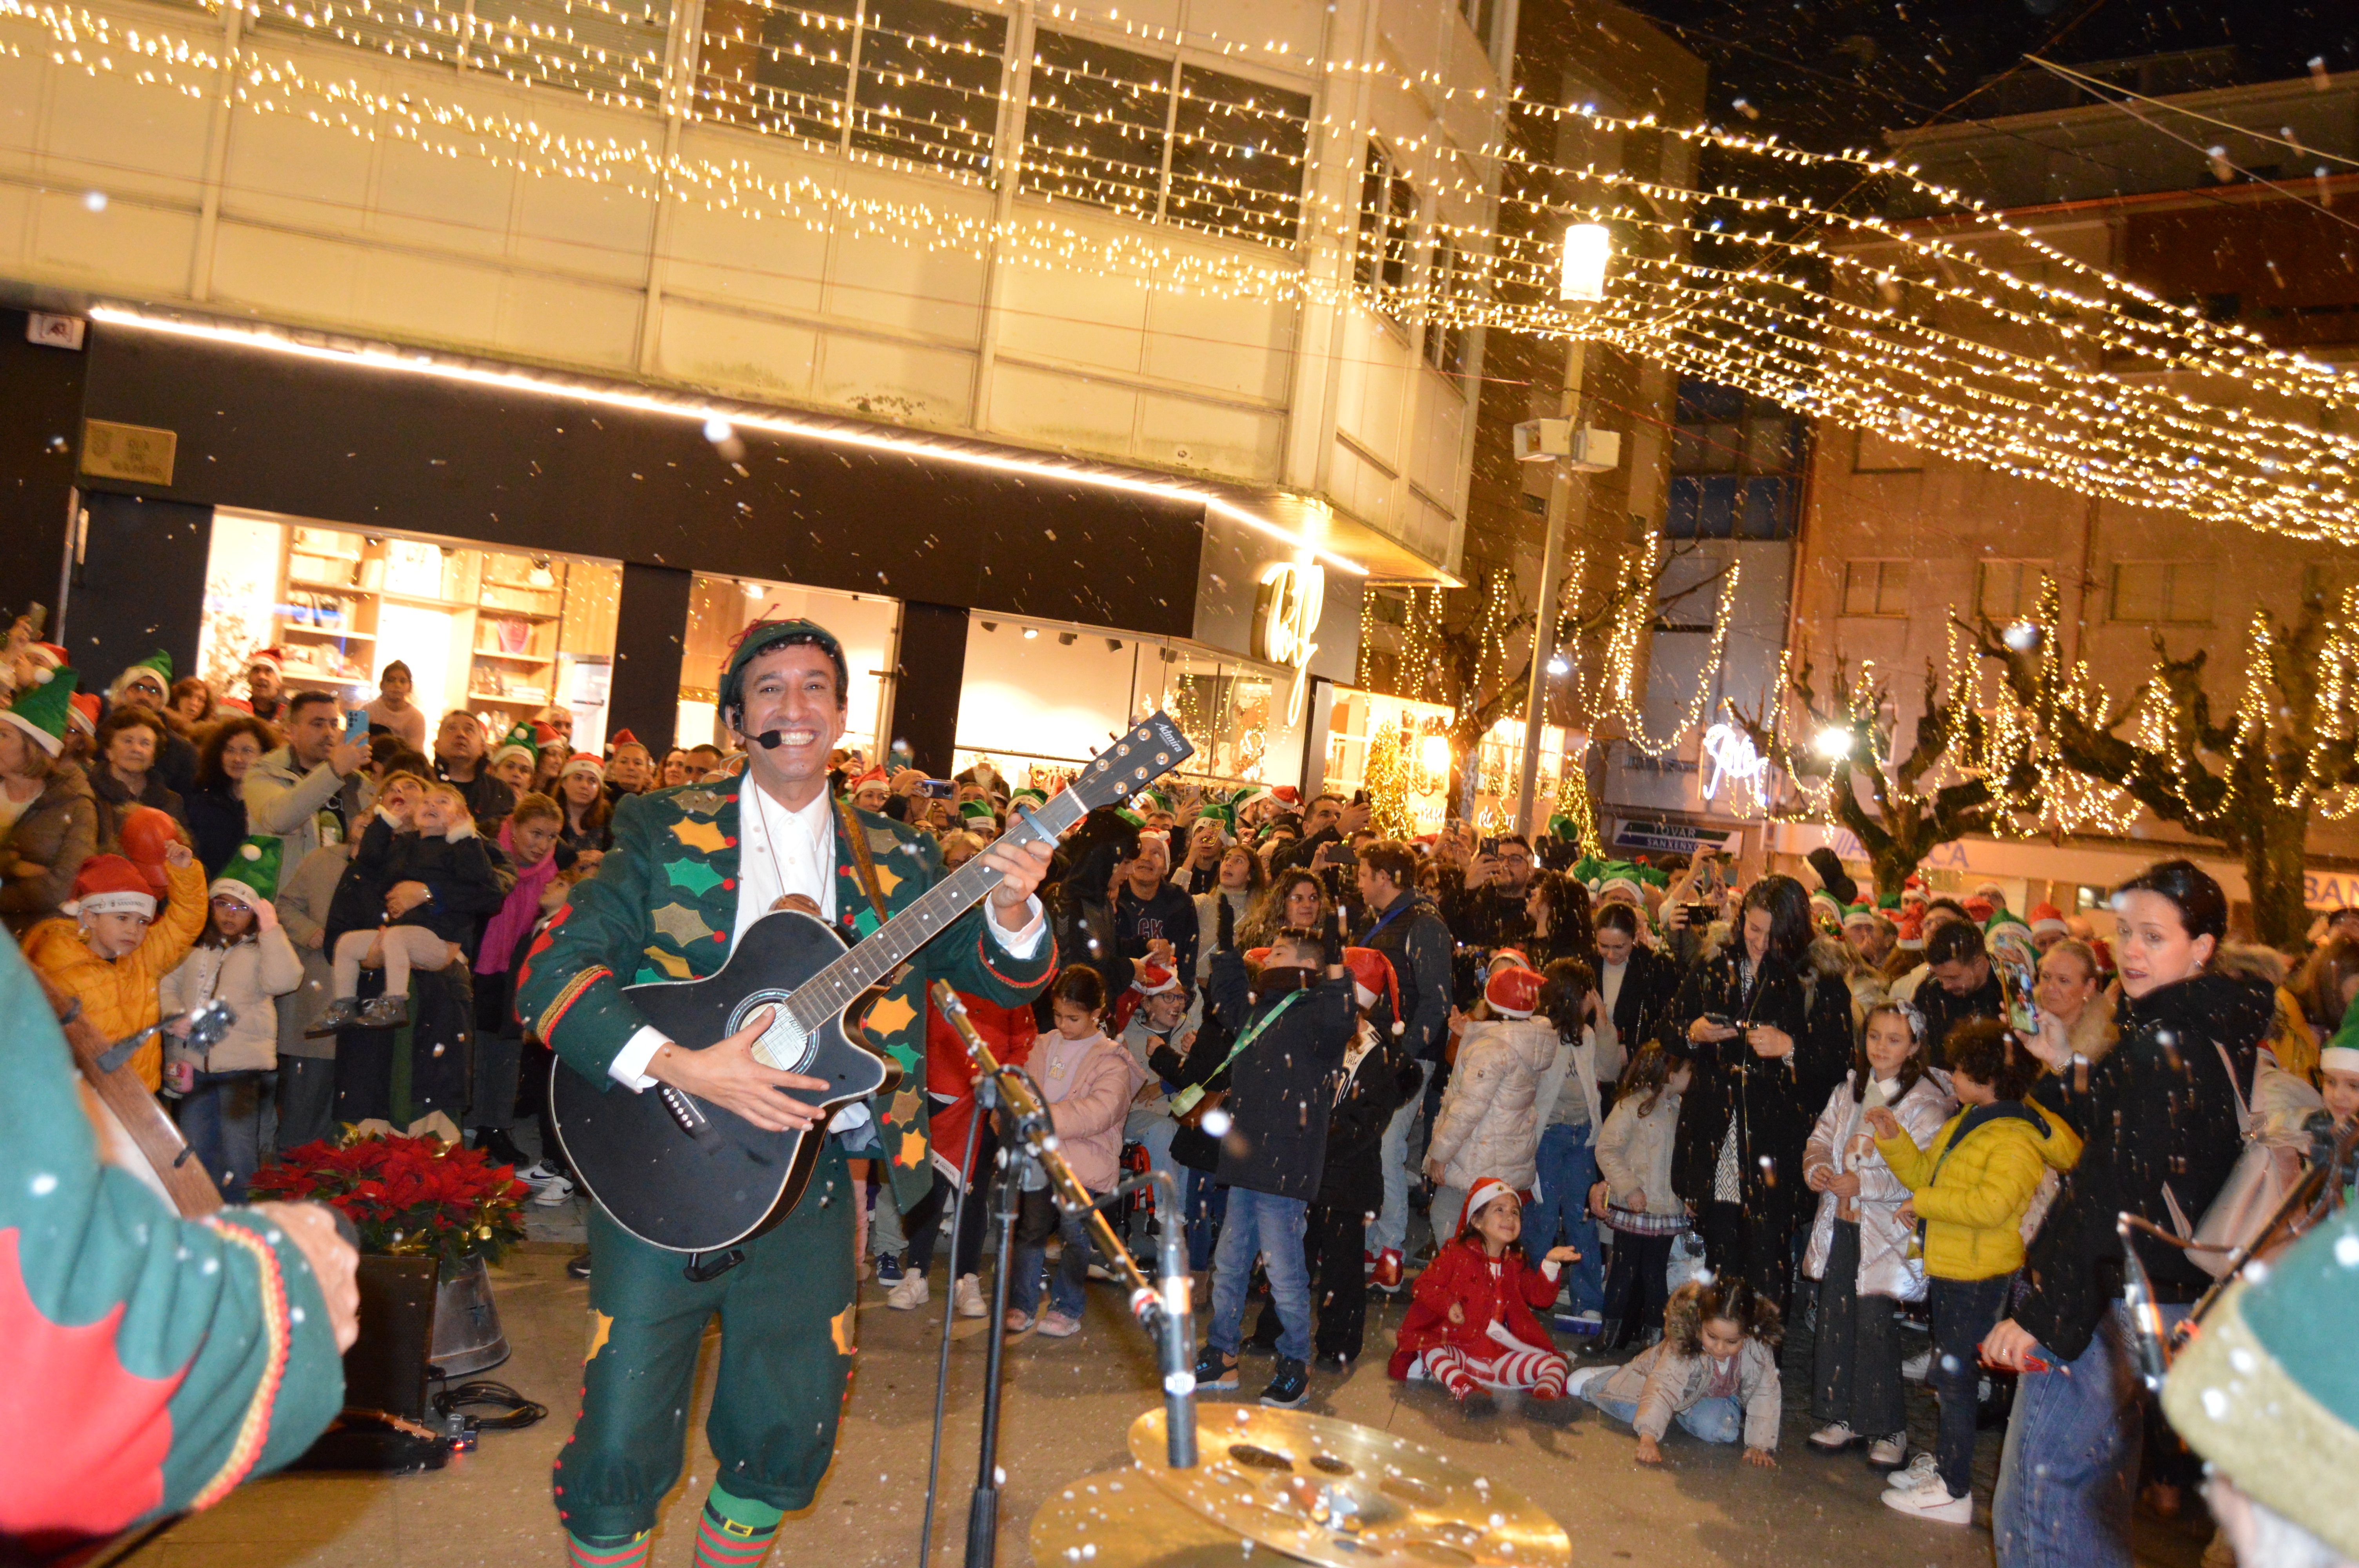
(505,700)
(512,612)
(524,587)
(354,590)
(506,657)
(422,600)
(313,629)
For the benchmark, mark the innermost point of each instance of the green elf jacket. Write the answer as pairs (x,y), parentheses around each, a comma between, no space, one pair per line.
(663,906)
(147,1363)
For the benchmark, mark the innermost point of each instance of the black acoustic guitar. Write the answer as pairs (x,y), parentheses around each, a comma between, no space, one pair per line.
(689,1176)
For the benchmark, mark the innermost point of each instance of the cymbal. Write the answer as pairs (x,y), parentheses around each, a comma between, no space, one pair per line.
(1347,1495)
(1118,1519)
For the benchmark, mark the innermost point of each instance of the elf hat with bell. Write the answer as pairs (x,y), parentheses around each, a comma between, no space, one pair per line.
(109,884)
(251,876)
(2269,1391)
(43,710)
(518,741)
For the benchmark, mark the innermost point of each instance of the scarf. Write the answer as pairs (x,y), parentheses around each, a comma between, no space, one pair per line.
(518,913)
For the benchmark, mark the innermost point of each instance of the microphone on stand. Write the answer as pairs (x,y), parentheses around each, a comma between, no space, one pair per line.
(1176,1338)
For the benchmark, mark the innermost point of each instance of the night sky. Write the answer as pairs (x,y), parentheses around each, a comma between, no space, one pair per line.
(1835,73)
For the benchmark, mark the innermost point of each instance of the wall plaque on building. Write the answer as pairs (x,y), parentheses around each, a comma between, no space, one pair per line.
(137,452)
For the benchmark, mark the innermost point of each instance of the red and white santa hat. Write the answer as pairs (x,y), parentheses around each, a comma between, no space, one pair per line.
(1155,980)
(1913,892)
(109,884)
(48,655)
(81,712)
(1513,990)
(1483,1192)
(1511,956)
(546,738)
(1373,977)
(2046,920)
(275,657)
(583,762)
(620,739)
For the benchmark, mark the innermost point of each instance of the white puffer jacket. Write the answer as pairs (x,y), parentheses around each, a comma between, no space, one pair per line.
(250,974)
(1885,1267)
(1490,1120)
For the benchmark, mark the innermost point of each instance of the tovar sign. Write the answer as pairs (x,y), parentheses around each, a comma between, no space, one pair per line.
(1285,616)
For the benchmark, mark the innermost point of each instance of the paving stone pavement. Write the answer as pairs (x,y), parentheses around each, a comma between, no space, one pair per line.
(1069,1404)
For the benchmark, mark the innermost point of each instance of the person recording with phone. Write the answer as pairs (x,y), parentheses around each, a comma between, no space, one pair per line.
(1769,1033)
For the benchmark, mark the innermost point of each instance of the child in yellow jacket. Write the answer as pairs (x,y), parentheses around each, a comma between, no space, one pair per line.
(1969,1192)
(116,945)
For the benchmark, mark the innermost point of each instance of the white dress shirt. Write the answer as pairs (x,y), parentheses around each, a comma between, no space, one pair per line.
(783,851)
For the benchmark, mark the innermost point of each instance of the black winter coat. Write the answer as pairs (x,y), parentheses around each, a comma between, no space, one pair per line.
(1281,1089)
(1418,946)
(1365,1103)
(1649,984)
(1192,1146)
(1775,1101)
(458,872)
(2157,1112)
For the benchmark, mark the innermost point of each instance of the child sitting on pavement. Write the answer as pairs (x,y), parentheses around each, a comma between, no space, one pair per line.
(1714,1371)
(1970,1189)
(1293,1024)
(1472,1323)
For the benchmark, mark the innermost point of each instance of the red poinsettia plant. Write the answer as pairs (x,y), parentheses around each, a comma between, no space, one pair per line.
(406,1195)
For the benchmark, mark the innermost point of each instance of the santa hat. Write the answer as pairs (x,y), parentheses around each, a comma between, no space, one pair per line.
(1513,990)
(275,657)
(1480,1196)
(1912,927)
(1508,956)
(874,775)
(1373,976)
(1287,795)
(2046,920)
(82,713)
(45,656)
(109,884)
(544,738)
(1154,979)
(1990,891)
(1859,915)
(1980,908)
(583,762)
(251,876)
(620,739)
(43,710)
(1913,890)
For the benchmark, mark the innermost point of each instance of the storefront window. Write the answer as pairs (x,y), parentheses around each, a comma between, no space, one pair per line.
(721,608)
(1414,740)
(1039,700)
(504,634)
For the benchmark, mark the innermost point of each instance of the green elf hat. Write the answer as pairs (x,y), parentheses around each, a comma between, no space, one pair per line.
(1859,914)
(1027,795)
(1889,904)
(1589,871)
(251,875)
(519,739)
(1134,819)
(1562,826)
(2269,1391)
(160,661)
(1650,876)
(43,710)
(1151,800)
(763,635)
(976,811)
(1225,815)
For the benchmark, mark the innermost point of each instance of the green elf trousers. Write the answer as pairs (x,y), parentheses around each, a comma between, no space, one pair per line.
(785,1351)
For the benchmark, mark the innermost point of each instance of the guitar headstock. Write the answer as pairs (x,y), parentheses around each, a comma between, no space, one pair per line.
(1154,747)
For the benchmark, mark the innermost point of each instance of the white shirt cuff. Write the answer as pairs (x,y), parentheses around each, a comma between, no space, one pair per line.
(854,1115)
(629,1067)
(1019,944)
(1550,1268)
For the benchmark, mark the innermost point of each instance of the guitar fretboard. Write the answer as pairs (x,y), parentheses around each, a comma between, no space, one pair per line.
(835,988)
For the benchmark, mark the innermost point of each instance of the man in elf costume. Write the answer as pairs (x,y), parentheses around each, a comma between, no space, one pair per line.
(691,869)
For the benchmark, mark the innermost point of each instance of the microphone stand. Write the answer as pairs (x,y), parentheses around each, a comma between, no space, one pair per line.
(1161,1308)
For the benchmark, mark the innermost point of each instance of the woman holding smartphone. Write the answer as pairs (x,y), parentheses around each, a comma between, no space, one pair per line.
(1768,1032)
(2159,1115)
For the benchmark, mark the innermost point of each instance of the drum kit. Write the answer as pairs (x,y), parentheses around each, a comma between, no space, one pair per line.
(1323,1491)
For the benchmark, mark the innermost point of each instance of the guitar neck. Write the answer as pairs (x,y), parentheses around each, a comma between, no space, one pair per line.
(836,987)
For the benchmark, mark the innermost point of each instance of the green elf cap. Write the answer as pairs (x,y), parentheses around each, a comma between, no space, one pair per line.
(1889,904)
(976,811)
(1134,819)
(160,661)
(1225,815)
(1151,800)
(251,875)
(1029,795)
(519,739)
(763,635)
(43,710)
(2269,1391)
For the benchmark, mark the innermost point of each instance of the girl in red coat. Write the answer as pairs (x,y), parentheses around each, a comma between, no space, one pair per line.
(1471,1324)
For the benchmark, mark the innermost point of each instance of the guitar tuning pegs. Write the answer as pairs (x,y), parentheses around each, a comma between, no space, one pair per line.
(1122,749)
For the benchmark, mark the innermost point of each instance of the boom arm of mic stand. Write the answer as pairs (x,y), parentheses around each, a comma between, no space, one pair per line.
(1162,1308)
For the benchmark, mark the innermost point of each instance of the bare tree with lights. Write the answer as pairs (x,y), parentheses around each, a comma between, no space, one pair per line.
(2248,782)
(1849,767)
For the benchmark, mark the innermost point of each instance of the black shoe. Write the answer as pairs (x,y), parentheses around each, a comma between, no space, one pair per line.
(495,1142)
(1289,1388)
(1214,1371)
(1333,1361)
(578,1268)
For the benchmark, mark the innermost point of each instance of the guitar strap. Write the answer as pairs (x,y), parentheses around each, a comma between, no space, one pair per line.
(857,836)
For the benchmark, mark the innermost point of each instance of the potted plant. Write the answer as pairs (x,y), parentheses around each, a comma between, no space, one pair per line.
(419,1198)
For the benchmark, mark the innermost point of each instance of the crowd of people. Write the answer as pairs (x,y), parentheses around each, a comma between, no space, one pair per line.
(1639,1107)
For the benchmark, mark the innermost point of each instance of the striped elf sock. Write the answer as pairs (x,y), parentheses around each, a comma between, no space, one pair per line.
(735,1533)
(608,1551)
